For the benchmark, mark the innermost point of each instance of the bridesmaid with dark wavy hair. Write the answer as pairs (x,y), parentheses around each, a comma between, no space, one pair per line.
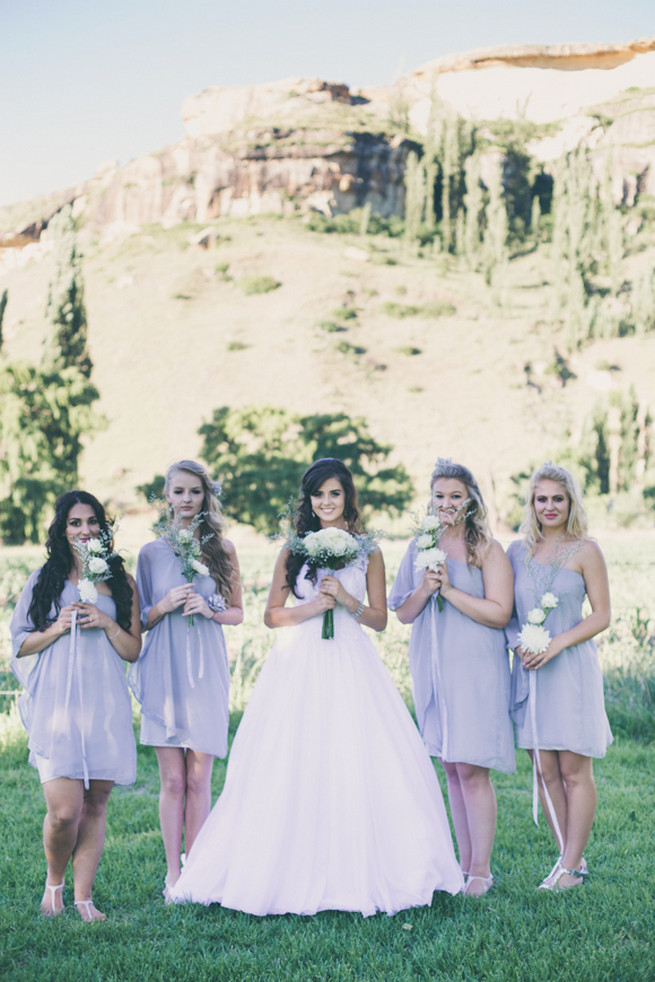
(76,708)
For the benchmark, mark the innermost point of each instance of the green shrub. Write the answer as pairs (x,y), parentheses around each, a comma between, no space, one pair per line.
(258,284)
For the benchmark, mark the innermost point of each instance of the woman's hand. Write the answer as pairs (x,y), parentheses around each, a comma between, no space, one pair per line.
(88,615)
(196,604)
(326,598)
(430,583)
(63,623)
(175,598)
(331,587)
(533,661)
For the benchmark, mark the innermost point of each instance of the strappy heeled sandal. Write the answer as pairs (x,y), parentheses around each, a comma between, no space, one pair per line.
(53,887)
(487,880)
(552,880)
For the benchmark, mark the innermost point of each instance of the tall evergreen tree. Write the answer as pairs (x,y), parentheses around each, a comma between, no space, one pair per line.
(66,309)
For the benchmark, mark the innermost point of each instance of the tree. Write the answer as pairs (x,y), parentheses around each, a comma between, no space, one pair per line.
(66,309)
(43,418)
(46,410)
(260,455)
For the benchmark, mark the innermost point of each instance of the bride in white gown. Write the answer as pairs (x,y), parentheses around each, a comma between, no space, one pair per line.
(331,801)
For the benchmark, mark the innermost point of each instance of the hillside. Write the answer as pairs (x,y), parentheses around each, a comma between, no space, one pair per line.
(172,338)
(437,362)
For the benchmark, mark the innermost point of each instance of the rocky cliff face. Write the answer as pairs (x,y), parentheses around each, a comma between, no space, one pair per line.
(315,145)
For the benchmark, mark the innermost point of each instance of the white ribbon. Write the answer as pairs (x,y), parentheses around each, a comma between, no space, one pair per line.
(201,659)
(439,695)
(73,663)
(536,765)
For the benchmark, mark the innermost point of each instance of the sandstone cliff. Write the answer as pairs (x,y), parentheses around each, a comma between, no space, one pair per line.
(311,144)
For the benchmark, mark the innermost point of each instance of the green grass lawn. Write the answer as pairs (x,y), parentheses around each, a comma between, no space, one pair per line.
(601,932)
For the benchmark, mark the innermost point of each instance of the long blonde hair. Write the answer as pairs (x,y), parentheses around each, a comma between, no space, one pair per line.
(211,526)
(477,533)
(577,524)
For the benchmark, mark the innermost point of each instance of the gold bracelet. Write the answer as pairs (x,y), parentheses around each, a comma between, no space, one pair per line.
(110,637)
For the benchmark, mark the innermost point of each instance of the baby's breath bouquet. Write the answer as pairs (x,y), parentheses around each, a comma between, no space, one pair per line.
(185,545)
(94,559)
(428,555)
(330,548)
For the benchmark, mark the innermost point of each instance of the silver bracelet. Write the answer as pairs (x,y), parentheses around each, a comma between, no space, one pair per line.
(110,637)
(359,610)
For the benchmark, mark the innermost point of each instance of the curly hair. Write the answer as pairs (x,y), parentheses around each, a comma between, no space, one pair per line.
(577,524)
(211,527)
(54,573)
(477,534)
(304,520)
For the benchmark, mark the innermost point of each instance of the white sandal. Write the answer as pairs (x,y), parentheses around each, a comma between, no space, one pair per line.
(487,880)
(552,880)
(53,887)
(86,904)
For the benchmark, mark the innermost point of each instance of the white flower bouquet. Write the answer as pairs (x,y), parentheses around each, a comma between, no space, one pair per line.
(330,548)
(533,636)
(428,554)
(186,546)
(94,558)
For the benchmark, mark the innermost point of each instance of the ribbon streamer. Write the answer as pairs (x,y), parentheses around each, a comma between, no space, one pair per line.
(536,766)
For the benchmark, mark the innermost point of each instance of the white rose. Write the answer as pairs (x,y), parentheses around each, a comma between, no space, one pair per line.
(97,566)
(95,546)
(424,541)
(549,601)
(430,523)
(536,616)
(88,593)
(200,567)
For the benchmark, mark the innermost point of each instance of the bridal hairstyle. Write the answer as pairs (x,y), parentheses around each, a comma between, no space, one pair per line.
(50,583)
(477,534)
(577,525)
(211,526)
(304,519)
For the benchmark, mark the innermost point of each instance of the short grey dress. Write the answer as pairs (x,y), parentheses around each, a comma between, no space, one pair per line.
(182,678)
(568,690)
(460,673)
(76,707)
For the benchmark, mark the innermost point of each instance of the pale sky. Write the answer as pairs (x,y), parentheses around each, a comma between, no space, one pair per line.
(84,81)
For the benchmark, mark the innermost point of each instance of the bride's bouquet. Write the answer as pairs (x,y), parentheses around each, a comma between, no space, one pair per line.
(331,548)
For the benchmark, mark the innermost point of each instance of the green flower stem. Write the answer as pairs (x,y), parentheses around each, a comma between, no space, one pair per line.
(328,625)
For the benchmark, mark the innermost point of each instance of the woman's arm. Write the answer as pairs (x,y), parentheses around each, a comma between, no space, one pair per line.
(277,614)
(38,641)
(196,604)
(591,565)
(408,611)
(127,644)
(495,608)
(375,615)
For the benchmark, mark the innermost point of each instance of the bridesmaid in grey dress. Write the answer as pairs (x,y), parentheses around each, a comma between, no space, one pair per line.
(459,662)
(182,678)
(557,687)
(69,656)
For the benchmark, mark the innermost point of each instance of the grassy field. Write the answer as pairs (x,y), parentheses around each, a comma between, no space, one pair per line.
(601,933)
